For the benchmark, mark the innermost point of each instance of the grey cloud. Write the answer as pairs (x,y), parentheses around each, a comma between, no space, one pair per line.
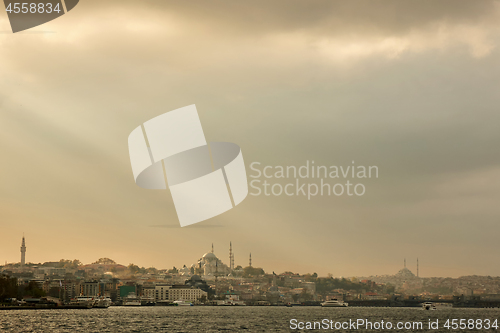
(321,16)
(419,117)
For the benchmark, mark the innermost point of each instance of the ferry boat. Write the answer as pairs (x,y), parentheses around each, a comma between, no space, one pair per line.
(83,301)
(102,302)
(233,303)
(436,306)
(334,303)
(92,301)
(182,303)
(131,300)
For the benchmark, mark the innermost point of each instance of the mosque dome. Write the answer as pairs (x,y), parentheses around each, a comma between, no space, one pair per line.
(209,256)
(406,273)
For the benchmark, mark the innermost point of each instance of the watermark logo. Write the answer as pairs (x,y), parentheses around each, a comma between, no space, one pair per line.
(310,180)
(205,180)
(29,14)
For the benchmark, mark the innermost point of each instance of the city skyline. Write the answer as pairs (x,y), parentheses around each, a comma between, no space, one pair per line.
(230,261)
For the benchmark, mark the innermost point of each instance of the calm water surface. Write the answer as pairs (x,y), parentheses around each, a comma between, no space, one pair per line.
(223,319)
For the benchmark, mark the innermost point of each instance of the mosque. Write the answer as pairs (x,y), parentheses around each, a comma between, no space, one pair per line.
(405,273)
(210,265)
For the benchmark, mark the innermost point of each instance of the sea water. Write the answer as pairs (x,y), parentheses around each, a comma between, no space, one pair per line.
(237,319)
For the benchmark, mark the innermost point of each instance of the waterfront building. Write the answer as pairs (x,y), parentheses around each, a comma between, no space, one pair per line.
(92,288)
(161,292)
(180,292)
(70,289)
(65,289)
(170,293)
(148,293)
(126,290)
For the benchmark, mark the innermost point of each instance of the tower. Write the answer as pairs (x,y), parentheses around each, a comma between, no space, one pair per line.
(405,262)
(212,247)
(417,267)
(250,260)
(231,257)
(23,252)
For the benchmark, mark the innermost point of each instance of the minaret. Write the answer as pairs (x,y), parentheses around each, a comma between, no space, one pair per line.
(250,260)
(405,262)
(23,252)
(417,267)
(212,247)
(231,256)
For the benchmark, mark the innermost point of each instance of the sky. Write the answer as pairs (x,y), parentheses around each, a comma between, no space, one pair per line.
(408,86)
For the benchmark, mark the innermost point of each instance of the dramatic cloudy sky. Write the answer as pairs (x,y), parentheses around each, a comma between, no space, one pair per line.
(408,86)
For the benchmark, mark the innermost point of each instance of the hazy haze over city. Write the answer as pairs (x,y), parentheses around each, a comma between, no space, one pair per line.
(411,87)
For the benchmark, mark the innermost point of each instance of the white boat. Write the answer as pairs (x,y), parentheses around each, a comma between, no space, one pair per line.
(182,303)
(92,301)
(334,303)
(84,301)
(233,303)
(131,300)
(102,302)
(436,306)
